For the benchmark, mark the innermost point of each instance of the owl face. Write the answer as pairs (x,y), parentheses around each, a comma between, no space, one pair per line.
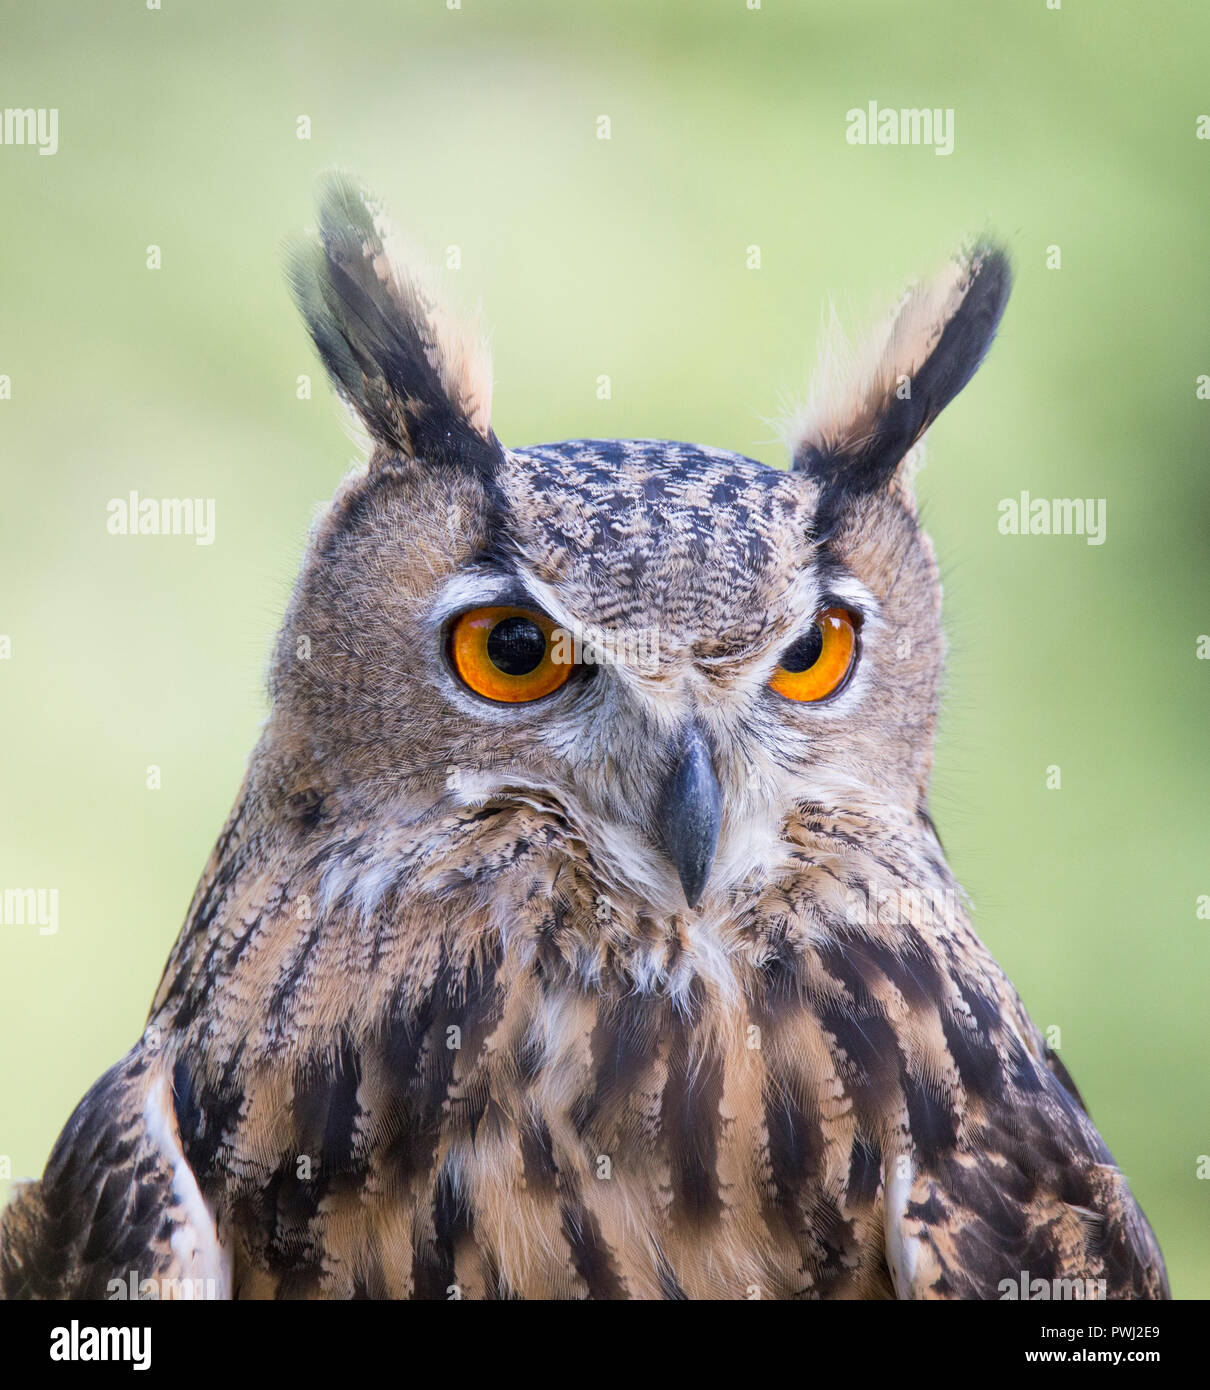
(688,589)
(669,650)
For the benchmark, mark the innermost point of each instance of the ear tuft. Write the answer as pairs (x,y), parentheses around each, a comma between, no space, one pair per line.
(418,379)
(863,421)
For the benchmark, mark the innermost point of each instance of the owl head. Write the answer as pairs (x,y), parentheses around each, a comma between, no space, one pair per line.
(662,652)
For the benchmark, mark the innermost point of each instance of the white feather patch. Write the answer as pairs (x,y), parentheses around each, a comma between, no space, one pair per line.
(195,1241)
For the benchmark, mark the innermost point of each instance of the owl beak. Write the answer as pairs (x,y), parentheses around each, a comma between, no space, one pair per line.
(691,811)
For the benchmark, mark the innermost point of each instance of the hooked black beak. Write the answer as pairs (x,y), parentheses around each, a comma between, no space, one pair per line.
(691,811)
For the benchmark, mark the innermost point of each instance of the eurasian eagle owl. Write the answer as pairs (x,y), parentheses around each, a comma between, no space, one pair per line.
(580,930)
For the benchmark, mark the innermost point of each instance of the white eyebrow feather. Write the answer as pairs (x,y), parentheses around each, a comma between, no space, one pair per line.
(476,589)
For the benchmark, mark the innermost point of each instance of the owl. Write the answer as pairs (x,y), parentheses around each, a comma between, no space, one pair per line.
(580,930)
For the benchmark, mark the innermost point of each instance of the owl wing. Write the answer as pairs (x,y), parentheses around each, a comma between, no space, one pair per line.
(117,1202)
(1035,1196)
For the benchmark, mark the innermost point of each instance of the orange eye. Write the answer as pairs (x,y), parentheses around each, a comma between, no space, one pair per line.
(818,664)
(508,654)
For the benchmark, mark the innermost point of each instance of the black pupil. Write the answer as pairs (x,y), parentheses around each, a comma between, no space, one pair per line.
(804,653)
(516,646)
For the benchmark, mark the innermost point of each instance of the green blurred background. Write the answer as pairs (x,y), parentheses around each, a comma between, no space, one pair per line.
(627,257)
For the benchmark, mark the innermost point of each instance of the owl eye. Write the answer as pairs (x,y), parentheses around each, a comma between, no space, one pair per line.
(508,654)
(819,662)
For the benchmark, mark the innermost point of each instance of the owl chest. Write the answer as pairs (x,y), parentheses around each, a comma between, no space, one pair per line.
(585,1153)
